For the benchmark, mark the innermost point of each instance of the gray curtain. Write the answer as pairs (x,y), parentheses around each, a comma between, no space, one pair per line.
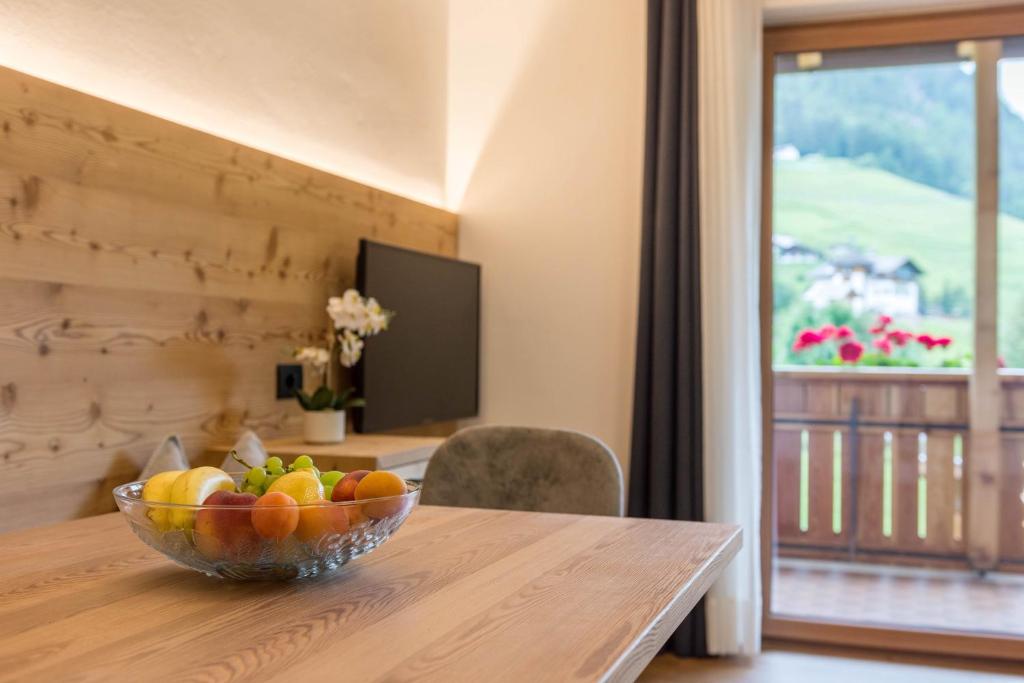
(665,467)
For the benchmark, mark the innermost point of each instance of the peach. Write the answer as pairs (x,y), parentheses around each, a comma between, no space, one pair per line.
(346,488)
(381,484)
(222,533)
(275,515)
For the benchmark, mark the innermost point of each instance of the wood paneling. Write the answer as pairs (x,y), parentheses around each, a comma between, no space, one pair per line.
(456,595)
(151,276)
(882,396)
(1011,506)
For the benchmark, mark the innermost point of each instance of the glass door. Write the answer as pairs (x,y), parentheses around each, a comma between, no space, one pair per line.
(887,511)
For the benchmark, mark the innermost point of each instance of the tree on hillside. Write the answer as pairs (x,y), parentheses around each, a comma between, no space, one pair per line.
(915,121)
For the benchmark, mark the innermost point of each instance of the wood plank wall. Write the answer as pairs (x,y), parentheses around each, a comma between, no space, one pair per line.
(151,276)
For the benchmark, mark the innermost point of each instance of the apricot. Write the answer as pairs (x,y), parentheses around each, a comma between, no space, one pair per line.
(355,514)
(317,521)
(381,484)
(275,515)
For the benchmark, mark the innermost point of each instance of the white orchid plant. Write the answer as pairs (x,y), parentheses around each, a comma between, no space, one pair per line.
(354,318)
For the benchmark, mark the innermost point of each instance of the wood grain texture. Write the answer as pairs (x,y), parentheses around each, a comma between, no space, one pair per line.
(985,462)
(356,452)
(879,639)
(151,276)
(931,27)
(457,595)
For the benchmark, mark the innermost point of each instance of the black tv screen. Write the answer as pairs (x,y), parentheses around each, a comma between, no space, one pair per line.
(426,367)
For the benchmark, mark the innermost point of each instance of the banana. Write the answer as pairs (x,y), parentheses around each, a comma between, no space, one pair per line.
(192,488)
(158,490)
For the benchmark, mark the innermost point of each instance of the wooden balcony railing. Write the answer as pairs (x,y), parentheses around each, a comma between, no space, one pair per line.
(870,466)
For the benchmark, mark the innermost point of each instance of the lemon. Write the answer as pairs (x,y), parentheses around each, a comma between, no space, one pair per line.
(157,489)
(192,488)
(302,485)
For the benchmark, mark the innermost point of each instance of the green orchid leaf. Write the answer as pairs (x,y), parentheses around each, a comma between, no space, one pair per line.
(323,399)
(355,403)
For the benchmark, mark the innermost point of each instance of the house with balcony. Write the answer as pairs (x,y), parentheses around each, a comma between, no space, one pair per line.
(867,282)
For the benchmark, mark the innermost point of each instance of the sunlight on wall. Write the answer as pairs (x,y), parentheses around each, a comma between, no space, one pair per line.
(482,66)
(356,89)
(545,169)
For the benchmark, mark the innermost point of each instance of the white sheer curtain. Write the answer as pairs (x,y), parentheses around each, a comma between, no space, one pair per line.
(729,39)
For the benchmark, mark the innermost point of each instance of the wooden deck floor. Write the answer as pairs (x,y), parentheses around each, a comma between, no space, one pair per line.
(785,663)
(900,597)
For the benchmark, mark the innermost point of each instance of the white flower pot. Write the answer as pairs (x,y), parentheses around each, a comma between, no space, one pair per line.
(323,426)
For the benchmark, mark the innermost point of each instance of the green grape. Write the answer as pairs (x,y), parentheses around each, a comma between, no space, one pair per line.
(271,479)
(256,476)
(274,463)
(277,470)
(331,478)
(302,461)
(328,490)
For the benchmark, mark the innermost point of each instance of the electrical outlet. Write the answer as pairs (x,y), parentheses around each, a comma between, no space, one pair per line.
(289,380)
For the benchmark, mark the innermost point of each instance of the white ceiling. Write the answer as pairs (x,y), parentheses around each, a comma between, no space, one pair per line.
(778,12)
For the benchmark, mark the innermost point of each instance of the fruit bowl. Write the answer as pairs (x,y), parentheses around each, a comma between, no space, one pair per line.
(219,540)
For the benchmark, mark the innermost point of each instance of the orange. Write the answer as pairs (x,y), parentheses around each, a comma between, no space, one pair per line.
(381,484)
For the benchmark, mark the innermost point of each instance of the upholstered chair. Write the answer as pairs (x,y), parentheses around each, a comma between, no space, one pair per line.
(525,468)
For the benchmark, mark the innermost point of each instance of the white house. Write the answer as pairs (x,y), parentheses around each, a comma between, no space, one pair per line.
(788,250)
(868,283)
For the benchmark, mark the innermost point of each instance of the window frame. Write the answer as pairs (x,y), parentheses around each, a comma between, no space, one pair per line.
(980,25)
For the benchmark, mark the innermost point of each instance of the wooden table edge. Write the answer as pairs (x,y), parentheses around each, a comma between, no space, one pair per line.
(635,658)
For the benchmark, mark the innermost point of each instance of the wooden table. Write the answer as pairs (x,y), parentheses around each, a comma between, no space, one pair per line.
(455,595)
(405,455)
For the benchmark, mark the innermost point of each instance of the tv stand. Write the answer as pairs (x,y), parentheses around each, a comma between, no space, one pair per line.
(406,456)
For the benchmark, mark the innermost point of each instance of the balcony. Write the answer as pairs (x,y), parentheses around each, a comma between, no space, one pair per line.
(870,499)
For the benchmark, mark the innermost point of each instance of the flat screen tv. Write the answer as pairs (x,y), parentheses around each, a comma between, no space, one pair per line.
(426,367)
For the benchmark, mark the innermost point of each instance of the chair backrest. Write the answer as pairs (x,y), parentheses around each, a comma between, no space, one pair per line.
(525,468)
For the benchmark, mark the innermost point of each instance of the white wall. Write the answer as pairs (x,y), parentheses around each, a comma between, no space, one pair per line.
(354,87)
(545,140)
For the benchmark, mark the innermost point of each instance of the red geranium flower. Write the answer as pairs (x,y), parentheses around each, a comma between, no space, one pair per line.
(927,341)
(851,351)
(883,345)
(1000,362)
(827,331)
(807,338)
(899,337)
(883,322)
(844,332)
(943,342)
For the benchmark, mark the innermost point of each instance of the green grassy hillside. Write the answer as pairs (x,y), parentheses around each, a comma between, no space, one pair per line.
(823,202)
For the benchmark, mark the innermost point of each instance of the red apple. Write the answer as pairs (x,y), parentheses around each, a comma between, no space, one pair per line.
(346,488)
(225,534)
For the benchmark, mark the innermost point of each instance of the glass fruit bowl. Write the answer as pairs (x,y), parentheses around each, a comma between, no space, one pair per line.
(221,540)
